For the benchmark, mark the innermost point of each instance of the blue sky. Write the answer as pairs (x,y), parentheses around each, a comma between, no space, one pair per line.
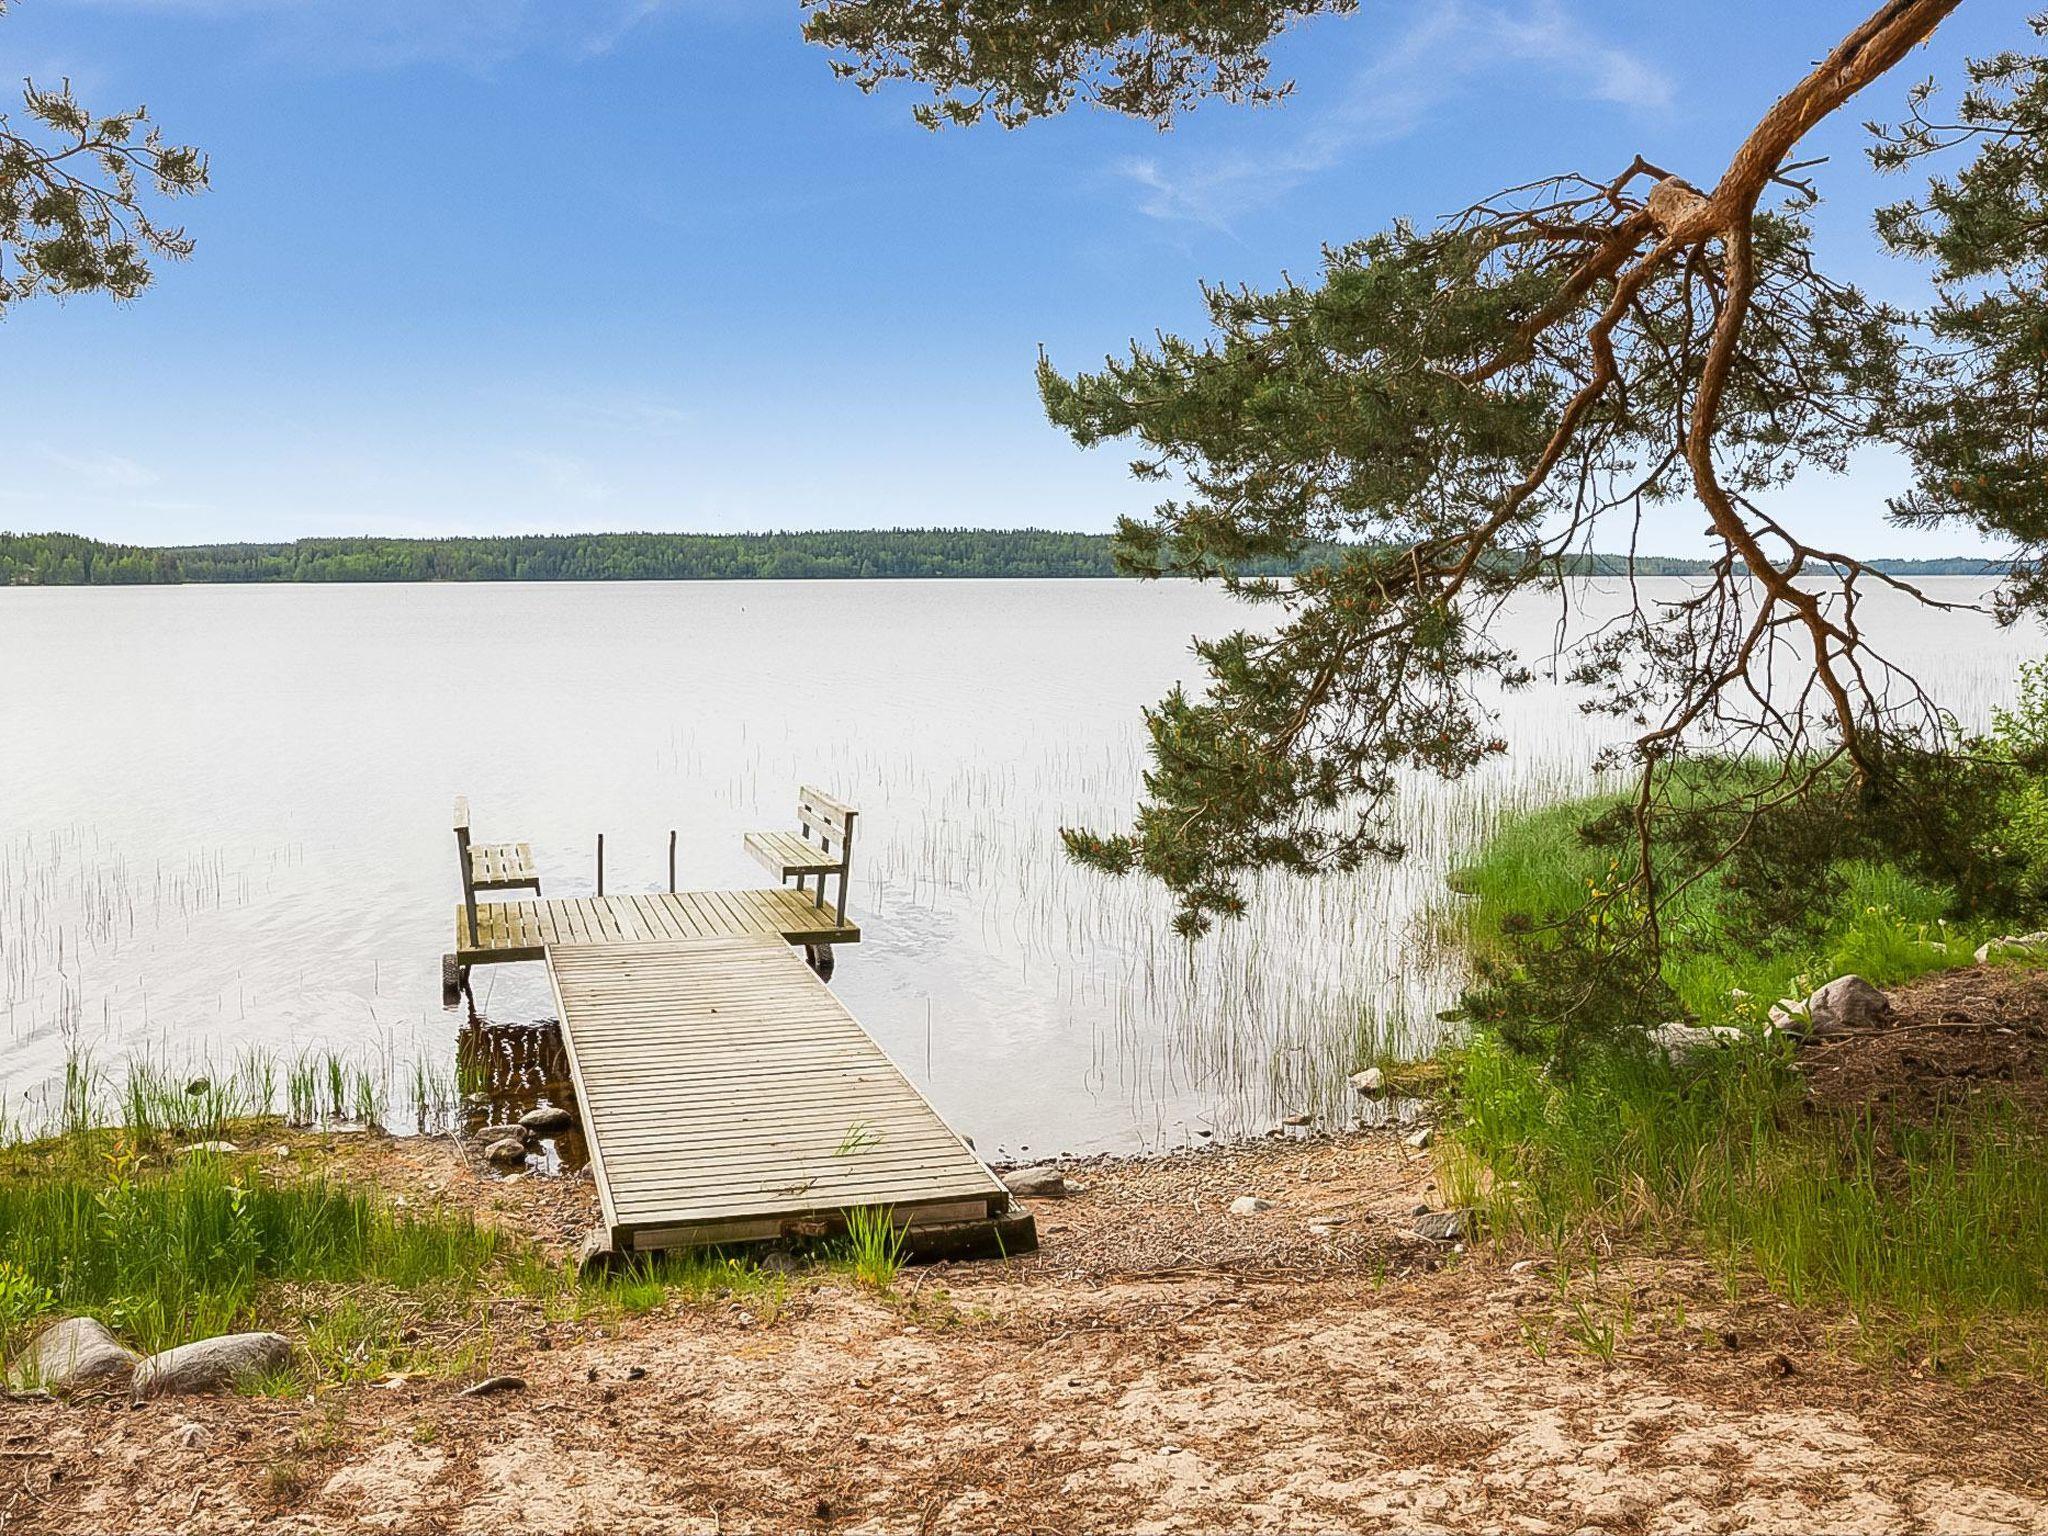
(478,266)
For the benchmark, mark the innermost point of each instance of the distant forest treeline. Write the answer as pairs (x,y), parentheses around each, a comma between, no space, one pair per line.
(64,559)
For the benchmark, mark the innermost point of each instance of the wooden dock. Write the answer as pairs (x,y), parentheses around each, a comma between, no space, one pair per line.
(526,930)
(728,1096)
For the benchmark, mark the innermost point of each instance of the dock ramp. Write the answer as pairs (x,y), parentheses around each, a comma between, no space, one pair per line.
(728,1096)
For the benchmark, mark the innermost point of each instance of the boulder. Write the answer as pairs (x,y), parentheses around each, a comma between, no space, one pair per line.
(1681,1042)
(1249,1205)
(1372,1082)
(510,1131)
(1459,1226)
(548,1119)
(507,1151)
(1846,1005)
(74,1352)
(1043,1182)
(211,1364)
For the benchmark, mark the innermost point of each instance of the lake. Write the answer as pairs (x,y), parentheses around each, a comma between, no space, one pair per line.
(224,825)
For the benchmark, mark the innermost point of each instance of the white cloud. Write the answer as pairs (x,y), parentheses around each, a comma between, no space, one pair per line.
(1456,44)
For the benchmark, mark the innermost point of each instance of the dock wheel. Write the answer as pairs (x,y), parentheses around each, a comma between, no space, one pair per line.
(819,958)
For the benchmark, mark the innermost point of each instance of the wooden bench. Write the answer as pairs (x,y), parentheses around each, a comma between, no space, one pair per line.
(490,866)
(821,847)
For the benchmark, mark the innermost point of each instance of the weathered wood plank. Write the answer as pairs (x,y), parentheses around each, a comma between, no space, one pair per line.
(720,1081)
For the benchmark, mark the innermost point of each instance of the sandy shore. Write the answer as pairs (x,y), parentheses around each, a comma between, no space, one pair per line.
(1160,1365)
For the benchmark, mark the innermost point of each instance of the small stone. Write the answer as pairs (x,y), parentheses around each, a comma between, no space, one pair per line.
(491,1385)
(1419,1139)
(1249,1205)
(506,1152)
(70,1353)
(511,1131)
(776,1262)
(1043,1182)
(1295,1122)
(547,1119)
(1418,1209)
(1459,1226)
(211,1364)
(281,1152)
(1372,1082)
(199,1087)
(212,1148)
(188,1436)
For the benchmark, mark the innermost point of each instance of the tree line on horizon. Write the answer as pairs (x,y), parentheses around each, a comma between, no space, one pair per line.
(72,560)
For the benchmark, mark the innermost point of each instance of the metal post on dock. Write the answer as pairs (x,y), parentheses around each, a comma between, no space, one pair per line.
(600,863)
(671,861)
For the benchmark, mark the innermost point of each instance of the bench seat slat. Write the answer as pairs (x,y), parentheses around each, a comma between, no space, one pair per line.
(786,853)
(503,866)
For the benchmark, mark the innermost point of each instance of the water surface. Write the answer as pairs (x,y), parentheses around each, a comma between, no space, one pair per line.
(224,821)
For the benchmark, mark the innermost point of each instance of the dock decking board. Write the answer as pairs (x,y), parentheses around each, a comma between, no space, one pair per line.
(725,1091)
(525,930)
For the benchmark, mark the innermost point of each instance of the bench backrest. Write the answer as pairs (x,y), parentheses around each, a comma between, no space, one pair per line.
(828,822)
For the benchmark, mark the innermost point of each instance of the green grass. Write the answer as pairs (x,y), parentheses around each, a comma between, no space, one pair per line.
(1933,1236)
(1536,870)
(872,1250)
(164,1253)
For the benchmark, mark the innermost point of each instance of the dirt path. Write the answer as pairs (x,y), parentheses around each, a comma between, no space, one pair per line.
(1160,1365)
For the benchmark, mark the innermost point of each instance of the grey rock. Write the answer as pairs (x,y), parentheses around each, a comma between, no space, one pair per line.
(1459,1226)
(776,1262)
(1043,1182)
(72,1352)
(508,1151)
(212,1148)
(1845,1005)
(1419,1138)
(511,1131)
(547,1119)
(211,1364)
(2014,946)
(1681,1042)
(1249,1205)
(1372,1082)
(199,1087)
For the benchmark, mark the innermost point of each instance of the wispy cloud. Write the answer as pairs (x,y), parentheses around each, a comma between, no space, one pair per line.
(566,477)
(476,35)
(1454,46)
(100,471)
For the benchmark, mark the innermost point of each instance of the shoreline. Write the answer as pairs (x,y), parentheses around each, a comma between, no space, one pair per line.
(1160,1364)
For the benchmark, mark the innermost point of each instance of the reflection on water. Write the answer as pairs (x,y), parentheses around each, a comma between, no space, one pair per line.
(516,1068)
(224,833)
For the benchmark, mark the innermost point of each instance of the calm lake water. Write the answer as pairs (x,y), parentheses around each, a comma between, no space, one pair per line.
(224,823)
